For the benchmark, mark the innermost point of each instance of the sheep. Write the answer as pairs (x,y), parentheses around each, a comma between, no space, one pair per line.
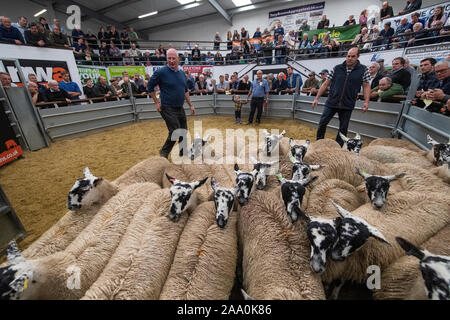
(399,143)
(443,172)
(205,260)
(440,151)
(400,216)
(183,196)
(85,258)
(297,150)
(353,145)
(275,252)
(245,183)
(378,187)
(271,141)
(197,146)
(149,170)
(388,154)
(435,270)
(141,263)
(301,170)
(324,145)
(292,193)
(224,200)
(86,197)
(403,279)
(263,171)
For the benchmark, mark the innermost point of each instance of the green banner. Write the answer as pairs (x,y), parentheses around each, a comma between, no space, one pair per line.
(91,72)
(117,71)
(342,34)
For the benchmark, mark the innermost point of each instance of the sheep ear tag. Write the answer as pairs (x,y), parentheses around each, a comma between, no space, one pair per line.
(293,160)
(279,176)
(25,284)
(172,180)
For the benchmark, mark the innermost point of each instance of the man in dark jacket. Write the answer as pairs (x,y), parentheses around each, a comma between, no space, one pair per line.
(411,5)
(10,34)
(375,75)
(345,82)
(428,78)
(34,37)
(54,93)
(441,93)
(279,84)
(324,22)
(386,11)
(101,88)
(88,89)
(399,74)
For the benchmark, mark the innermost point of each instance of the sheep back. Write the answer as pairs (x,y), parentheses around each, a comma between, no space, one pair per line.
(149,170)
(398,143)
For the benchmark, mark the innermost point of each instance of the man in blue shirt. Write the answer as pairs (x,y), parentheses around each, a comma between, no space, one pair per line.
(8,33)
(279,31)
(292,79)
(71,87)
(173,90)
(258,90)
(21,25)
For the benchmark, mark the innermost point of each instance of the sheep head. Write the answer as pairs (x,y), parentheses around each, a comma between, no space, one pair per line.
(262,172)
(378,187)
(182,196)
(441,151)
(298,151)
(245,184)
(16,278)
(271,141)
(223,201)
(197,145)
(435,270)
(301,170)
(85,191)
(353,145)
(353,233)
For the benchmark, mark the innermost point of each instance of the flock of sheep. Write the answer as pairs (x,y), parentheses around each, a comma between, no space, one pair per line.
(297,228)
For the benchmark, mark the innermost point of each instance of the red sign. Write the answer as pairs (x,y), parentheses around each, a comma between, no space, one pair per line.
(12,152)
(195,70)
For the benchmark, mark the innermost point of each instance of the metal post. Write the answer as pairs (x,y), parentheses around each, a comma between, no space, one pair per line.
(133,102)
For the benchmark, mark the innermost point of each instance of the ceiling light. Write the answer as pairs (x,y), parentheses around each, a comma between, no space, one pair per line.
(250,7)
(240,3)
(192,5)
(40,12)
(185,1)
(148,14)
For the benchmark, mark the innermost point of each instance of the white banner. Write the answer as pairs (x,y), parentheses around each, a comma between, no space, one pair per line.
(437,51)
(291,19)
(425,13)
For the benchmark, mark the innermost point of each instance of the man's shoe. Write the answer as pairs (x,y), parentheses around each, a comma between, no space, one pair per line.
(248,123)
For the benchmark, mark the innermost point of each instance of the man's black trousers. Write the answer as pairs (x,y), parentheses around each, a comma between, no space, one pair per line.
(327,115)
(256,103)
(175,118)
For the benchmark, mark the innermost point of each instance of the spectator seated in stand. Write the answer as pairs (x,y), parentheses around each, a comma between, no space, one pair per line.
(76,34)
(280,50)
(201,87)
(323,22)
(350,22)
(127,60)
(104,51)
(279,31)
(218,59)
(304,27)
(196,54)
(361,39)
(234,84)
(441,94)
(91,40)
(125,39)
(133,36)
(46,32)
(54,93)
(311,83)
(134,52)
(374,38)
(58,39)
(304,45)
(399,74)
(267,48)
(6,81)
(222,85)
(323,77)
(190,81)
(69,86)
(411,5)
(36,95)
(385,35)
(385,90)
(34,37)
(88,88)
(10,34)
(209,59)
(114,51)
(20,25)
(102,89)
(280,84)
(375,75)
(316,44)
(386,11)
(292,79)
(210,85)
(438,16)
(244,84)
(79,49)
(418,37)
(56,23)
(400,41)
(257,33)
(126,89)
(435,33)
(32,78)
(290,40)
(428,80)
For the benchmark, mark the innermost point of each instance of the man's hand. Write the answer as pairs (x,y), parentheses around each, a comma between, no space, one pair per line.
(192,110)
(315,102)
(436,94)
(18,41)
(68,100)
(158,106)
(41,43)
(374,94)
(419,93)
(365,107)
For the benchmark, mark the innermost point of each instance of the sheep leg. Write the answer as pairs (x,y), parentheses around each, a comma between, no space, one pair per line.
(335,288)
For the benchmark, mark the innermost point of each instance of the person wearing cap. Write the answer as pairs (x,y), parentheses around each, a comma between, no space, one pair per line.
(292,79)
(323,77)
(311,83)
(345,82)
(382,70)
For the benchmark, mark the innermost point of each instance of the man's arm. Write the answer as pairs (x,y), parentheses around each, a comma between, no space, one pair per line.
(188,100)
(322,90)
(366,91)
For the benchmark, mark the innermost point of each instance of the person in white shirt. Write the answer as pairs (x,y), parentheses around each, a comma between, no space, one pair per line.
(290,39)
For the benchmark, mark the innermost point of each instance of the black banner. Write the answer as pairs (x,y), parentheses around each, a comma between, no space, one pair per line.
(9,146)
(44,70)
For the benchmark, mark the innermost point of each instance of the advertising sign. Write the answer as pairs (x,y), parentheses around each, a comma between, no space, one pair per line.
(9,147)
(291,18)
(93,73)
(425,14)
(117,71)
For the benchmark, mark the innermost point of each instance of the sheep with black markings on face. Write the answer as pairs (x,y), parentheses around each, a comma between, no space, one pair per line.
(439,153)
(224,200)
(183,196)
(271,141)
(353,145)
(246,184)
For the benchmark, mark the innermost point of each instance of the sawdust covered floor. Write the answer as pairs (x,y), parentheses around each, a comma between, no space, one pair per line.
(37,185)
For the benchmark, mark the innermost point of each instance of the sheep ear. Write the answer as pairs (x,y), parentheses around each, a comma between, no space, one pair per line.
(374,232)
(307,181)
(357,136)
(306,145)
(214,184)
(171,180)
(315,167)
(394,177)
(13,253)
(236,169)
(252,160)
(197,184)
(410,249)
(282,134)
(291,142)
(87,173)
(245,295)
(342,212)
(196,136)
(363,174)
(97,181)
(430,140)
(266,132)
(206,139)
(343,137)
